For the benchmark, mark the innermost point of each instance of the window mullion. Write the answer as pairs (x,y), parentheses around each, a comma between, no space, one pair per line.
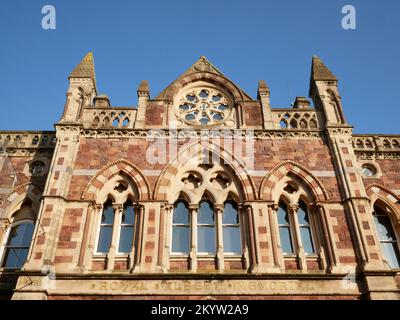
(193,212)
(218,212)
(114,235)
(297,237)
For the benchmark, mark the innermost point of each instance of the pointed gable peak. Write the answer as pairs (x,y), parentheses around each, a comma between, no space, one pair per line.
(320,72)
(203,65)
(205,70)
(85,69)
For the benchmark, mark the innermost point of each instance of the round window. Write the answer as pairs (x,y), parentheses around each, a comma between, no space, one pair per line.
(368,170)
(203,106)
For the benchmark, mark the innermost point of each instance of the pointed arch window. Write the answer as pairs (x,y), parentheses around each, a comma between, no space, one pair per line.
(284,226)
(19,237)
(231,229)
(106,228)
(387,237)
(127,228)
(180,228)
(206,228)
(18,244)
(305,228)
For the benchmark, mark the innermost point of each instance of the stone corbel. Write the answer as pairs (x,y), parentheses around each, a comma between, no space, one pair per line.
(5,224)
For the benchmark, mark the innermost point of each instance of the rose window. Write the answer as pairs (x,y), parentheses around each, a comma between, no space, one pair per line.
(203,107)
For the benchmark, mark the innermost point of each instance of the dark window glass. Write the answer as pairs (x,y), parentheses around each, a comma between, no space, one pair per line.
(106,228)
(230,214)
(387,237)
(231,229)
(127,228)
(206,228)
(286,240)
(284,229)
(180,228)
(18,244)
(206,239)
(181,213)
(205,213)
(305,229)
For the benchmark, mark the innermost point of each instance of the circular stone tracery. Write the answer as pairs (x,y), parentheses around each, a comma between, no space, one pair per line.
(203,106)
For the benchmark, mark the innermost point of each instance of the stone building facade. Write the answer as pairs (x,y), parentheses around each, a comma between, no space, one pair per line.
(201,192)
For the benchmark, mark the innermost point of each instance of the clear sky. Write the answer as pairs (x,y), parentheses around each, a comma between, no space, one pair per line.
(157,40)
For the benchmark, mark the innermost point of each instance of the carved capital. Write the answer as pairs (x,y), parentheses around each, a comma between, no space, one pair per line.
(118,208)
(219,208)
(167,206)
(292,208)
(274,206)
(95,207)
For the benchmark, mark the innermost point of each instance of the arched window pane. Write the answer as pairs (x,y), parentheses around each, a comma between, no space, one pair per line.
(231,229)
(180,228)
(206,228)
(18,244)
(387,237)
(108,215)
(284,229)
(305,228)
(384,227)
(230,214)
(106,229)
(205,213)
(127,229)
(302,215)
(283,217)
(181,213)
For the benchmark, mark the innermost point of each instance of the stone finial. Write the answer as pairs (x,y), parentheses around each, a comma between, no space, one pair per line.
(143,89)
(263,89)
(85,69)
(301,103)
(262,85)
(320,72)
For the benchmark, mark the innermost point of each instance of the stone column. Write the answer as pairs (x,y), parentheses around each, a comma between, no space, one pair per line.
(252,239)
(164,236)
(277,256)
(118,208)
(93,235)
(292,209)
(219,211)
(193,208)
(139,237)
(328,238)
(86,236)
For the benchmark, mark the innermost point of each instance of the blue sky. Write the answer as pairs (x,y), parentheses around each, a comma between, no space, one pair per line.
(157,40)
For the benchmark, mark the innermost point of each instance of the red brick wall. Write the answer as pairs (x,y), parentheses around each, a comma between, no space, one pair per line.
(17,165)
(252,114)
(390,175)
(154,115)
